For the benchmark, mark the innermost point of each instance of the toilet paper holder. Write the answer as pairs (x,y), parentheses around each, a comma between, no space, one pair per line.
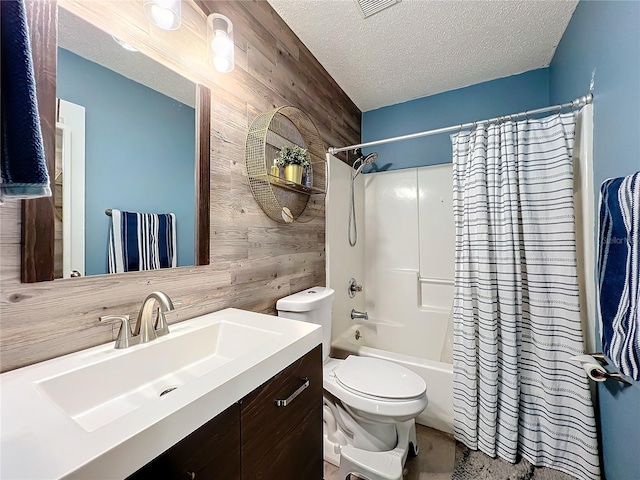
(610,376)
(599,374)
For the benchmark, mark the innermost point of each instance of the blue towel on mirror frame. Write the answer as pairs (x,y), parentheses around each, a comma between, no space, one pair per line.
(23,166)
(141,241)
(619,272)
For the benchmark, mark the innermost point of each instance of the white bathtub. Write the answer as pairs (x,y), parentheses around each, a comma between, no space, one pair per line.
(437,375)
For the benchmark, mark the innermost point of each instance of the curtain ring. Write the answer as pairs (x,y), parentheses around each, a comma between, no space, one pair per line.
(457,136)
(472,130)
(573,107)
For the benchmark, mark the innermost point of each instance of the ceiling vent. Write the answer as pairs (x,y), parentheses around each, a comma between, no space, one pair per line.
(371,7)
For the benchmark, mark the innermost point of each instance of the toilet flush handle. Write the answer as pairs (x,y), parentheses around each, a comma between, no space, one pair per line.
(290,398)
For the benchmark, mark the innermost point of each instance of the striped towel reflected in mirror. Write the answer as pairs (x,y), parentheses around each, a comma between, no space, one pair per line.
(141,241)
(619,272)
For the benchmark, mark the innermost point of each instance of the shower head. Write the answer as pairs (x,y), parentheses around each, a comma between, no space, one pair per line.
(369,158)
(362,161)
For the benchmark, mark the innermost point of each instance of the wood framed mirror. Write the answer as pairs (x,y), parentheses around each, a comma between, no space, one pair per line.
(39,216)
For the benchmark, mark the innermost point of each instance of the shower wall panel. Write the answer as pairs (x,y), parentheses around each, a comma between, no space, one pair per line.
(437,236)
(408,252)
(343,261)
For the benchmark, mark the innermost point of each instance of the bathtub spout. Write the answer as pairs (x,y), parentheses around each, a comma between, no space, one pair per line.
(356,314)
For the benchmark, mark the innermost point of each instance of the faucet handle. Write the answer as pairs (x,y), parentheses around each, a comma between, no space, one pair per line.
(125,339)
(354,288)
(162,327)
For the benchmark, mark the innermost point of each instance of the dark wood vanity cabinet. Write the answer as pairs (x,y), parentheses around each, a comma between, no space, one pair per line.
(211,452)
(285,442)
(255,438)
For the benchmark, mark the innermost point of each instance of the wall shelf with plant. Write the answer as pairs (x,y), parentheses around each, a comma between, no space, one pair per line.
(284,150)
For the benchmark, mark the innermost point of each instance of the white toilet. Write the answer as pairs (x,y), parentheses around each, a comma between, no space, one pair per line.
(370,404)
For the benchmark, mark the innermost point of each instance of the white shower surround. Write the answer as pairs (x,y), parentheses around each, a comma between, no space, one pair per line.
(409,232)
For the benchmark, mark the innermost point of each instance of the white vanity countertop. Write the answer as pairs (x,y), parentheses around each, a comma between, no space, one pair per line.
(38,440)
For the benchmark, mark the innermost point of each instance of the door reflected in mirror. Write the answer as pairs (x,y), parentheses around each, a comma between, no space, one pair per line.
(125,141)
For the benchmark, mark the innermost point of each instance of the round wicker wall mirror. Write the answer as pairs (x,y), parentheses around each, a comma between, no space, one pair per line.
(283,200)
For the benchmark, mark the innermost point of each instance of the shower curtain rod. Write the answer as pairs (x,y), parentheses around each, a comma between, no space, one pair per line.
(577,103)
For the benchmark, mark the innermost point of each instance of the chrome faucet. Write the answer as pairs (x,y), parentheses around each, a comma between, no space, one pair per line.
(356,314)
(144,326)
(145,331)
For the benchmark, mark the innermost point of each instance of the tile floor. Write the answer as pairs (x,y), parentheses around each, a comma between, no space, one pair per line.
(434,462)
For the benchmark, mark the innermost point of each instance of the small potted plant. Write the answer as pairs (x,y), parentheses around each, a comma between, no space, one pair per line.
(294,160)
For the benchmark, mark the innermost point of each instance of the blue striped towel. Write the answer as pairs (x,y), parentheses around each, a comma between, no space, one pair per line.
(141,241)
(23,166)
(619,272)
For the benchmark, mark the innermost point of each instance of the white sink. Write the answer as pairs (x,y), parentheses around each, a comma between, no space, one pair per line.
(120,384)
(98,413)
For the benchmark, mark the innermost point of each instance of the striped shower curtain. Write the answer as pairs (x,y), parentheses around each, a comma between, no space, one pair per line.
(516,307)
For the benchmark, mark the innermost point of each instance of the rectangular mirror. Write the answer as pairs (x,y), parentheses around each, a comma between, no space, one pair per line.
(131,135)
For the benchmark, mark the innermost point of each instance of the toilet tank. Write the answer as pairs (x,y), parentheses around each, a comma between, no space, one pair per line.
(314,306)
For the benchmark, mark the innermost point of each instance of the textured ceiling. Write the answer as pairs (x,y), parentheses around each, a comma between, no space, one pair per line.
(87,41)
(422,47)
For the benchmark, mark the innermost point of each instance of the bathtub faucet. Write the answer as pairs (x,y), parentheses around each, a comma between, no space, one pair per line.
(356,314)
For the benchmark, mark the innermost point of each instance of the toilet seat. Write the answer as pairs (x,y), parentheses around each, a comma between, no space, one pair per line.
(379,379)
(369,407)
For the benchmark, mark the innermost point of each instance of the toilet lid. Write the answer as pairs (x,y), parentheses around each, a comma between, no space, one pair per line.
(379,378)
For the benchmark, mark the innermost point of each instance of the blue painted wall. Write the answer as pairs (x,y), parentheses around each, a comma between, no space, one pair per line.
(513,94)
(140,153)
(604,36)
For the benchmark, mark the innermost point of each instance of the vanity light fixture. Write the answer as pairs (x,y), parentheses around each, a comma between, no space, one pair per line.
(165,14)
(124,45)
(220,42)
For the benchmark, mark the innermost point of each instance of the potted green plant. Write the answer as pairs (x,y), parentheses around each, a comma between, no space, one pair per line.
(294,160)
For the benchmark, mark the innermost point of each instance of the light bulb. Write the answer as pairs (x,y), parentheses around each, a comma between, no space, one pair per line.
(221,64)
(165,14)
(162,17)
(220,44)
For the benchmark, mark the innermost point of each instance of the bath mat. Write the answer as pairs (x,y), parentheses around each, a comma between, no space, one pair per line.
(475,465)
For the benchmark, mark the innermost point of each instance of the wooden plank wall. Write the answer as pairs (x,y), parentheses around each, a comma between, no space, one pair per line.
(254,261)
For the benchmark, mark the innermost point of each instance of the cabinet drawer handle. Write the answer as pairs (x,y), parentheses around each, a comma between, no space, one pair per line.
(287,401)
